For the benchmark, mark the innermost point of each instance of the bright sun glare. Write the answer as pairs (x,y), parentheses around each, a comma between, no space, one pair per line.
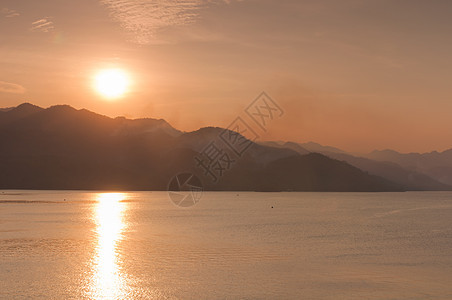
(112,83)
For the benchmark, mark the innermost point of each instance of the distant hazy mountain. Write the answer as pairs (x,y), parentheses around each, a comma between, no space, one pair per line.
(303,148)
(409,178)
(385,166)
(437,165)
(288,145)
(314,147)
(64,148)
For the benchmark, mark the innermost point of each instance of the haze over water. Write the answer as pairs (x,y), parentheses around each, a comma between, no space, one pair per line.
(96,245)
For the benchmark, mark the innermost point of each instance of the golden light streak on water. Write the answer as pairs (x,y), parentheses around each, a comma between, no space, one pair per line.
(108,282)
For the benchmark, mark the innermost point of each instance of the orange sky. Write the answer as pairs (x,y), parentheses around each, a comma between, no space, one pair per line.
(355,74)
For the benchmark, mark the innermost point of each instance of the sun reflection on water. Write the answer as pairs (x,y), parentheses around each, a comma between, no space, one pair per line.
(108,280)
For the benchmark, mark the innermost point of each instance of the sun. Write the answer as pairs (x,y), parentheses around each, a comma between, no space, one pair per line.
(112,83)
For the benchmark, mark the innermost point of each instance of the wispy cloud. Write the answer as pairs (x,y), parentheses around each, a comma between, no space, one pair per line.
(144,18)
(12,88)
(42,25)
(9,13)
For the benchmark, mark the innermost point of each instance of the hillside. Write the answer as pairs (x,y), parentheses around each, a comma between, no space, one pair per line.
(64,148)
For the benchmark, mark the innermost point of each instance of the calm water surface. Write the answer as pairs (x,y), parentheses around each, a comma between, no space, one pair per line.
(88,245)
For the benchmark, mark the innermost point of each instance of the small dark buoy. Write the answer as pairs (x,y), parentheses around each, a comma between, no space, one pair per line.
(272,206)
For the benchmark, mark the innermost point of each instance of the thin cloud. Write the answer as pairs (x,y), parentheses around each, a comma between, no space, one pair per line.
(9,13)
(11,88)
(42,25)
(144,18)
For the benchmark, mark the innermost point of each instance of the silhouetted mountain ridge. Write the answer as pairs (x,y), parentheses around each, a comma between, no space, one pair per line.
(402,169)
(437,165)
(64,148)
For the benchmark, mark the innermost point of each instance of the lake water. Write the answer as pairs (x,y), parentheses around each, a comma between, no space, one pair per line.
(87,245)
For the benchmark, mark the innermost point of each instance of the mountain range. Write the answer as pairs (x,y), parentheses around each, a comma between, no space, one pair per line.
(396,170)
(64,148)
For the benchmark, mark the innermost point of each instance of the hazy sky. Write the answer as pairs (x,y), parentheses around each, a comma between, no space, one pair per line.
(356,74)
